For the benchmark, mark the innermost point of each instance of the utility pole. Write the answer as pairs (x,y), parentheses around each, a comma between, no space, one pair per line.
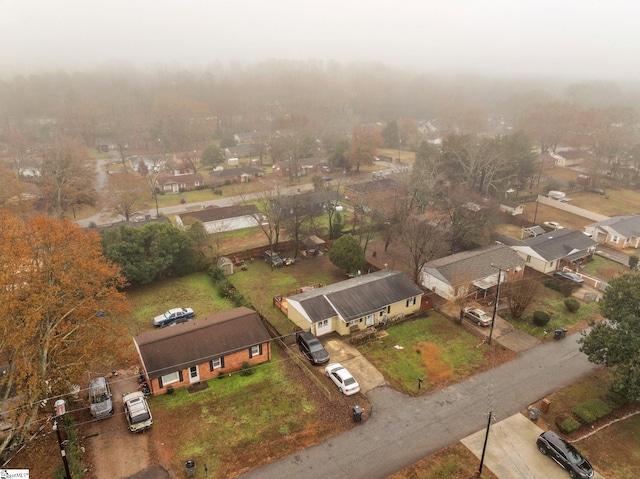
(484,447)
(60,410)
(495,305)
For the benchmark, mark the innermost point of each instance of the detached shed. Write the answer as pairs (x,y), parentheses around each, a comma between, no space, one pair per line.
(313,242)
(226,265)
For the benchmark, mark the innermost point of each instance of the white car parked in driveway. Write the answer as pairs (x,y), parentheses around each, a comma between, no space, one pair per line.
(346,383)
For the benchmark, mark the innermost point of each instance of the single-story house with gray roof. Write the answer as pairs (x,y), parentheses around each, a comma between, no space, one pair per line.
(217,220)
(355,304)
(619,231)
(471,272)
(241,174)
(554,250)
(202,348)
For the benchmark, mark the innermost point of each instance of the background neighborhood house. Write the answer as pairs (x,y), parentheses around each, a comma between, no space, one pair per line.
(552,251)
(306,204)
(178,183)
(512,208)
(235,175)
(202,349)
(374,192)
(217,220)
(354,304)
(619,231)
(471,272)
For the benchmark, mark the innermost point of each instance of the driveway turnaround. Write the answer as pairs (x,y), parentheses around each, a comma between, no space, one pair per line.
(512,451)
(402,430)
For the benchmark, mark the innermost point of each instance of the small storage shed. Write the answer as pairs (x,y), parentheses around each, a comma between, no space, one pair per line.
(226,265)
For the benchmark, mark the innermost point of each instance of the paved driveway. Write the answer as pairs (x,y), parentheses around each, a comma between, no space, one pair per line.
(511,450)
(340,351)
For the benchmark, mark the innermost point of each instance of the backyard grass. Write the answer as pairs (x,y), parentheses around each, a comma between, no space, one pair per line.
(193,291)
(614,451)
(434,349)
(604,268)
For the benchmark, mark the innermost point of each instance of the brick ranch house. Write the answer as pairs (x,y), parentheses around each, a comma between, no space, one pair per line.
(202,349)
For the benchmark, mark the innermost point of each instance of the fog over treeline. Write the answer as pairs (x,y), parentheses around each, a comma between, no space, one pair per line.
(327,97)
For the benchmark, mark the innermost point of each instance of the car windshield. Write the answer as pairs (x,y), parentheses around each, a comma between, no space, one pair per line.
(315,346)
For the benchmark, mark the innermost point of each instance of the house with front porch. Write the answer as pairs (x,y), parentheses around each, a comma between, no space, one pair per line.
(202,348)
(354,304)
(471,273)
(552,251)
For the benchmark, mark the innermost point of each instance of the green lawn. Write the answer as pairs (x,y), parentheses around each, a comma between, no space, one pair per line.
(615,450)
(434,349)
(194,291)
(604,268)
(552,302)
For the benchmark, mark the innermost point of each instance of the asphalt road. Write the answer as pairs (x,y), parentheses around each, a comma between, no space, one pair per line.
(402,429)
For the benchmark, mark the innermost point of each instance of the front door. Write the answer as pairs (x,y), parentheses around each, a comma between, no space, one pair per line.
(323,327)
(368,321)
(194,375)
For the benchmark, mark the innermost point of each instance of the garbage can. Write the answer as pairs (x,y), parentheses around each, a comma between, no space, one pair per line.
(190,468)
(559,333)
(534,412)
(357,413)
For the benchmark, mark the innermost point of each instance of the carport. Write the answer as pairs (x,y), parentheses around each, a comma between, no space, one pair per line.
(512,451)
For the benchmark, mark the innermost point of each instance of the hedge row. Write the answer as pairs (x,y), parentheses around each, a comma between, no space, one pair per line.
(592,410)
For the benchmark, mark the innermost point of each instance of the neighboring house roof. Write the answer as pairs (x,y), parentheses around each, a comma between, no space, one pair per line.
(235,172)
(374,185)
(625,226)
(574,154)
(473,265)
(559,244)
(308,199)
(197,341)
(356,297)
(190,178)
(216,214)
(242,149)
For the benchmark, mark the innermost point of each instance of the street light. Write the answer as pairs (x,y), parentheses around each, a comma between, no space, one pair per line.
(495,305)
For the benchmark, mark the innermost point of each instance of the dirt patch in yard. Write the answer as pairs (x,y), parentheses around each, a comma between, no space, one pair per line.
(438,370)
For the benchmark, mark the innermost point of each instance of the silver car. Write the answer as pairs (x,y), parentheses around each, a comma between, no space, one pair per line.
(100,402)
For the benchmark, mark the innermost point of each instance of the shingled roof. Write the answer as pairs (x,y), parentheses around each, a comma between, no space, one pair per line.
(473,265)
(355,297)
(559,244)
(216,214)
(625,226)
(197,341)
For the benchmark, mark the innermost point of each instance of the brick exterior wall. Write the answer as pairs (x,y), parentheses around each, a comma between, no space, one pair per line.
(232,362)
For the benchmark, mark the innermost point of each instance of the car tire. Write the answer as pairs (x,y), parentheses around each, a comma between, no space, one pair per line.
(479,323)
(543,450)
(572,475)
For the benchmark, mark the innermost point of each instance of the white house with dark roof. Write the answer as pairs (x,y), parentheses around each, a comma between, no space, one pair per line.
(551,251)
(619,231)
(469,272)
(226,218)
(354,304)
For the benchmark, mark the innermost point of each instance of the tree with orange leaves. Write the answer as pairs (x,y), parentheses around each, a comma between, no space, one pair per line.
(365,141)
(55,288)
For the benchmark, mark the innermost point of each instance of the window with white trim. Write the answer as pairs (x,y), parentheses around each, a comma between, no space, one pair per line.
(615,239)
(170,378)
(215,364)
(255,350)
(411,302)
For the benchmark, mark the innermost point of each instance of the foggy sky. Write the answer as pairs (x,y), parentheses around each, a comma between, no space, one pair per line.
(574,39)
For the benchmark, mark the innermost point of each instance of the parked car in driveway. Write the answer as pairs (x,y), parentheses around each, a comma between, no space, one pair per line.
(598,191)
(272,258)
(554,225)
(100,402)
(478,316)
(137,411)
(312,348)
(566,276)
(567,456)
(342,378)
(175,315)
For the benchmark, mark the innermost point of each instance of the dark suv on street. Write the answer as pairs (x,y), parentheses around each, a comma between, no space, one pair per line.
(312,348)
(567,456)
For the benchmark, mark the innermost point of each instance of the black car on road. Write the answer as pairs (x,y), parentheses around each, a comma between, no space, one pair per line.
(567,456)
(312,348)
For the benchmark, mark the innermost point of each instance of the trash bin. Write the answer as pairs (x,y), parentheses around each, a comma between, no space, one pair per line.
(357,413)
(190,468)
(559,333)
(534,412)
